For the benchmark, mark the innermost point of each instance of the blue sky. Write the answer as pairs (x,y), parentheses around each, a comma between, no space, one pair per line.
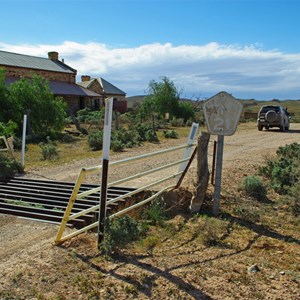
(248,48)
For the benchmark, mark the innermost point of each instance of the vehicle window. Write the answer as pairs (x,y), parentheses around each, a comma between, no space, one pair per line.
(267,108)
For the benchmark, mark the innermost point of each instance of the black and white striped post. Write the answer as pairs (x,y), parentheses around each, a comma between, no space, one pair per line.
(105,163)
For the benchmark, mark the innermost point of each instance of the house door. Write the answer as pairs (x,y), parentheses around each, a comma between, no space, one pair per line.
(81,103)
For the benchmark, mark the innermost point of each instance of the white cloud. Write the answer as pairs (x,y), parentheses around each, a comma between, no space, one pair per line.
(200,70)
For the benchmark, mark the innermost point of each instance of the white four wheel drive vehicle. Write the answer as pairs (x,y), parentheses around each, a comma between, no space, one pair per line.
(273,116)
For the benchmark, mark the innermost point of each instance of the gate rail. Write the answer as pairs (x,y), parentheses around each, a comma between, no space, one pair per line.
(84,171)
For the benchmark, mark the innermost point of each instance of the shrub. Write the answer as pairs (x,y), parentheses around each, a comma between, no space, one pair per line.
(212,232)
(117,145)
(8,129)
(254,187)
(177,122)
(48,150)
(119,232)
(151,136)
(95,140)
(9,167)
(282,171)
(17,143)
(155,212)
(86,115)
(170,134)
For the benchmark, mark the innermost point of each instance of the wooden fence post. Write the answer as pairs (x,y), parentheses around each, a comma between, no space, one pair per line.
(202,173)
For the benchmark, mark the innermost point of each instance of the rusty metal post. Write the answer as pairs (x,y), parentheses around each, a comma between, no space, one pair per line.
(217,192)
(212,179)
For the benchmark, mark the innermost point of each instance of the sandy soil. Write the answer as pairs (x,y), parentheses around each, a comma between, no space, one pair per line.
(28,257)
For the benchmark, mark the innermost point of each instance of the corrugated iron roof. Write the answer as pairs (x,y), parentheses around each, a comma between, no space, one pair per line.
(64,88)
(109,89)
(33,62)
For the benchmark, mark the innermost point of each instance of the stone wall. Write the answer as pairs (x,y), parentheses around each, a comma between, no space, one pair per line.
(50,75)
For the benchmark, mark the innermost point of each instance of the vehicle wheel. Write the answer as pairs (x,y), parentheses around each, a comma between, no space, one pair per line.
(260,127)
(271,116)
(287,127)
(267,127)
(281,128)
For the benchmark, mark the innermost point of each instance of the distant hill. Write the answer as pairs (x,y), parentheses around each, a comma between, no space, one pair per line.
(134,100)
(250,105)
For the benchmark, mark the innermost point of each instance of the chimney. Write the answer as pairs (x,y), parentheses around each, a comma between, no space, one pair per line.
(85,78)
(53,55)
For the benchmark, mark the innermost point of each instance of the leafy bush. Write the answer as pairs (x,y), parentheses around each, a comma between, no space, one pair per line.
(282,171)
(117,145)
(95,140)
(8,129)
(155,212)
(87,115)
(151,136)
(119,232)
(177,122)
(294,199)
(48,150)
(254,187)
(212,232)
(170,134)
(9,167)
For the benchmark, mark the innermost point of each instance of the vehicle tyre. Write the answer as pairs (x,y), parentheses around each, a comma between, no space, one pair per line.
(282,128)
(287,127)
(260,127)
(271,116)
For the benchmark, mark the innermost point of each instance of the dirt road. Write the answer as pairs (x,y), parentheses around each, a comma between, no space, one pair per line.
(27,245)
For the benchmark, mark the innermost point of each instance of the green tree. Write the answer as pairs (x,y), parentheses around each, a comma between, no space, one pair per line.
(5,102)
(163,97)
(185,110)
(47,112)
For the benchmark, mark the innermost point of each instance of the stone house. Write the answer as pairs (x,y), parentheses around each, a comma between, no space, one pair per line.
(106,90)
(61,77)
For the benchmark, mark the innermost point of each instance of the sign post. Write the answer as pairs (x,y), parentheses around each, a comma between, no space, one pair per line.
(222,113)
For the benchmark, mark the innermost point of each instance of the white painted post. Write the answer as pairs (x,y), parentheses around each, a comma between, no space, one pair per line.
(24,140)
(105,162)
(188,149)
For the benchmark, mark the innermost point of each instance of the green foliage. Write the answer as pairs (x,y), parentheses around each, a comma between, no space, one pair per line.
(47,113)
(254,187)
(283,171)
(155,212)
(117,145)
(151,136)
(95,140)
(48,150)
(119,232)
(185,110)
(9,167)
(8,129)
(164,96)
(212,232)
(170,134)
(294,193)
(86,115)
(177,122)
(129,138)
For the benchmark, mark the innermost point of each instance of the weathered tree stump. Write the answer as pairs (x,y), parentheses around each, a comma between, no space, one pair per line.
(202,173)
